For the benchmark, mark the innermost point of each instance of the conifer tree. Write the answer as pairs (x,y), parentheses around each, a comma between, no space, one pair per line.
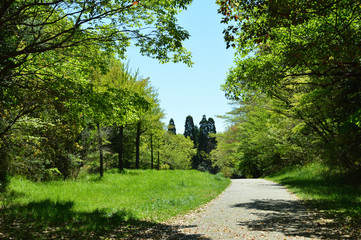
(171,127)
(212,143)
(211,126)
(206,143)
(203,134)
(189,129)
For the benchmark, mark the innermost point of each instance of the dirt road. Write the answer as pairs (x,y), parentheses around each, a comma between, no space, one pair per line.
(254,209)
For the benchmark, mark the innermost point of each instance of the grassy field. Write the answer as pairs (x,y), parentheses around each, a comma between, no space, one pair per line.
(118,205)
(334,194)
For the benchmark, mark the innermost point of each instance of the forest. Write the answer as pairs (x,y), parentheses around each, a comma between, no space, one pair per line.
(82,135)
(69,101)
(74,116)
(295,87)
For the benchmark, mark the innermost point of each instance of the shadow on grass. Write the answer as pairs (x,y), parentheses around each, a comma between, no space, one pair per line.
(329,194)
(288,217)
(56,220)
(337,198)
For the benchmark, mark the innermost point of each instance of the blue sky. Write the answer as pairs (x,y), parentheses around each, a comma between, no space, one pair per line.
(192,91)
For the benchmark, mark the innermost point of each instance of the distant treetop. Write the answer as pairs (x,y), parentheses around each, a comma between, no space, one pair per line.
(171,127)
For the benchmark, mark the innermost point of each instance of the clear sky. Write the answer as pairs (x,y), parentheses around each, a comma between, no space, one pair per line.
(192,91)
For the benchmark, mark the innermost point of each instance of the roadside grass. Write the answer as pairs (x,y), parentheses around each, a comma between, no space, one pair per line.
(121,205)
(335,195)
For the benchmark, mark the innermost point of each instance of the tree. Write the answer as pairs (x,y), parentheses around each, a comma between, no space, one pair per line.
(119,77)
(306,55)
(147,121)
(263,139)
(205,144)
(171,127)
(177,151)
(109,111)
(212,143)
(46,50)
(48,112)
(146,117)
(189,130)
(137,143)
(156,129)
(203,134)
(121,148)
(211,126)
(224,157)
(152,139)
(33,27)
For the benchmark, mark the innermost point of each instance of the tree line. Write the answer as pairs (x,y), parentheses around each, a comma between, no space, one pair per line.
(295,86)
(204,141)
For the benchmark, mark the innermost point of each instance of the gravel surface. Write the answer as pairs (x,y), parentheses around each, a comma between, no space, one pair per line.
(252,209)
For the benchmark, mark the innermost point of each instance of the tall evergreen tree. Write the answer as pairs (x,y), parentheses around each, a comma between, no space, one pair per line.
(189,130)
(203,134)
(211,126)
(192,131)
(212,143)
(171,127)
(206,144)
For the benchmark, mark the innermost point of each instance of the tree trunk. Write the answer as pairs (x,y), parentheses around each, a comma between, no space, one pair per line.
(4,180)
(151,152)
(158,167)
(137,143)
(120,148)
(100,143)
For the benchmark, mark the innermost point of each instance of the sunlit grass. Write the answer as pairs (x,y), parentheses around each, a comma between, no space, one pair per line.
(145,194)
(128,205)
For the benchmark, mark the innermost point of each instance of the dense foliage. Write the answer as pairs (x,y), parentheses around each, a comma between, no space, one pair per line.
(203,140)
(63,90)
(299,62)
(171,127)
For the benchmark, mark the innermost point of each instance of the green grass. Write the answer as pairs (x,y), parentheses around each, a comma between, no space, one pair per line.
(118,204)
(334,194)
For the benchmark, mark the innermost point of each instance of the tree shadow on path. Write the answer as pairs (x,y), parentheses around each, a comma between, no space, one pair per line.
(288,217)
(56,220)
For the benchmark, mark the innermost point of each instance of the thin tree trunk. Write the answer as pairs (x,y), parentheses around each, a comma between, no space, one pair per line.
(151,152)
(137,143)
(158,167)
(120,148)
(100,143)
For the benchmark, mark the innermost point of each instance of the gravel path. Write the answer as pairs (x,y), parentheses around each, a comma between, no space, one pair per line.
(253,209)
